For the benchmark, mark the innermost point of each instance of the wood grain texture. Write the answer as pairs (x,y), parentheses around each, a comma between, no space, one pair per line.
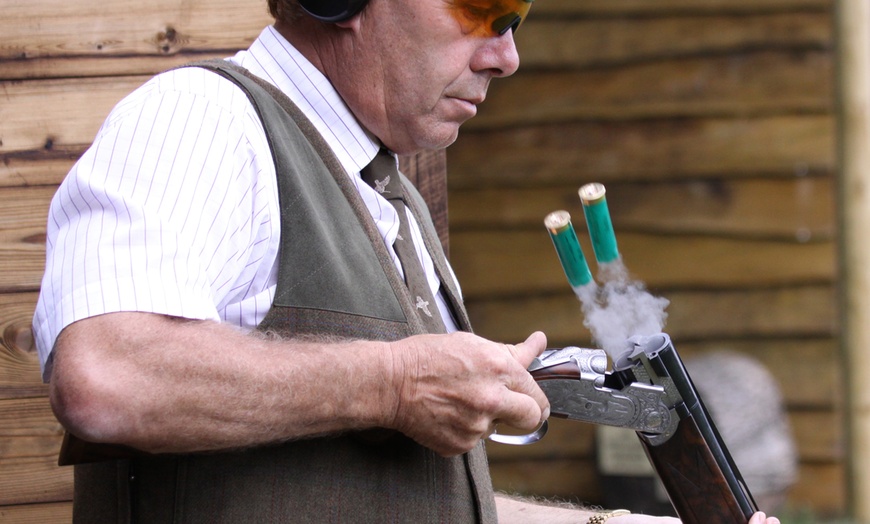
(805,311)
(51,513)
(745,84)
(520,261)
(428,171)
(30,438)
(118,27)
(560,42)
(654,150)
(44,114)
(19,365)
(804,368)
(641,7)
(784,209)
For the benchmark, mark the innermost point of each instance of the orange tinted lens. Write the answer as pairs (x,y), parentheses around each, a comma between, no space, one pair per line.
(491,17)
(512,18)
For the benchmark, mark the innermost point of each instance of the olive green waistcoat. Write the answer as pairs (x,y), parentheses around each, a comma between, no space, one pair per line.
(337,278)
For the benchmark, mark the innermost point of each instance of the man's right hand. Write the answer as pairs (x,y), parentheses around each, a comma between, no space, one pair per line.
(452,390)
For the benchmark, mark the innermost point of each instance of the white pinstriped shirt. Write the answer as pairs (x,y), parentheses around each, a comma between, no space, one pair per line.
(174,207)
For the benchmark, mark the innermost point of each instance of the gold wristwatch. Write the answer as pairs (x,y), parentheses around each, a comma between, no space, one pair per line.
(601,518)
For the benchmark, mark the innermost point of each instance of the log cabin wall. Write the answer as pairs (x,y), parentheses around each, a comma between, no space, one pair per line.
(712,125)
(710,122)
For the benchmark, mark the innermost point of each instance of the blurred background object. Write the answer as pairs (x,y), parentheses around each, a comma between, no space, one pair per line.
(745,402)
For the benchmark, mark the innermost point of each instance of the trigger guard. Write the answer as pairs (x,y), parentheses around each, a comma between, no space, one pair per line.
(521,440)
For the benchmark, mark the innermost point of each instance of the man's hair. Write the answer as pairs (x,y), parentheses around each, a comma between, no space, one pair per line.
(285,10)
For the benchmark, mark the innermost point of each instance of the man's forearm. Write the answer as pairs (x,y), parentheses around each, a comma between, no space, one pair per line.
(521,510)
(168,385)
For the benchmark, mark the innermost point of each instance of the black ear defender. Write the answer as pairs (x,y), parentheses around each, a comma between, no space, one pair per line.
(332,10)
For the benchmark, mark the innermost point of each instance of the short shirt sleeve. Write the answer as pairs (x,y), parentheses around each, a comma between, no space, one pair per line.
(172,210)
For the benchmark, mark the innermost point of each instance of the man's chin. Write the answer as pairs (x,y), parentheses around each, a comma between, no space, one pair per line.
(427,140)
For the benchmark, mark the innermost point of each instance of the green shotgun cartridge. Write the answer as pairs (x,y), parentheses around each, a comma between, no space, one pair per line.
(599,224)
(558,224)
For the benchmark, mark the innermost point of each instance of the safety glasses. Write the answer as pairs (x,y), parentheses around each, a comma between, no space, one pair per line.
(490,17)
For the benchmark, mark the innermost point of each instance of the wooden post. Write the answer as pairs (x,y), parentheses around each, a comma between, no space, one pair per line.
(428,171)
(853,85)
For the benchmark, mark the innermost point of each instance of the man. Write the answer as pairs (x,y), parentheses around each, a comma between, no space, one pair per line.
(176,235)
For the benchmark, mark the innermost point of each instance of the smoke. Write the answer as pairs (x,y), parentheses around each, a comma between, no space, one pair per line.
(620,308)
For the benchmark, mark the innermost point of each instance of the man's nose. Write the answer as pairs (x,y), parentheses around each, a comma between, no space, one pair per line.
(499,55)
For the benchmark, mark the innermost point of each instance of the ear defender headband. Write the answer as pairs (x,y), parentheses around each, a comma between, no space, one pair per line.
(332,10)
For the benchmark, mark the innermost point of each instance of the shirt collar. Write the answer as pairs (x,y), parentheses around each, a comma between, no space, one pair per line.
(274,59)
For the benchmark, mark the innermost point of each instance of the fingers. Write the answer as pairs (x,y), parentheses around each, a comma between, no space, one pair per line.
(525,405)
(453,389)
(761,518)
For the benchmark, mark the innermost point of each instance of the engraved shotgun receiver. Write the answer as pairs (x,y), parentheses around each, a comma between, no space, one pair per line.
(650,391)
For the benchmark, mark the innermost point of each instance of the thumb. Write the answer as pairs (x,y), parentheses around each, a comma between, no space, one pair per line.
(526,351)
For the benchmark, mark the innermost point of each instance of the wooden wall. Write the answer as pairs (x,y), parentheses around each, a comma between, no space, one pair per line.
(710,121)
(712,125)
(63,65)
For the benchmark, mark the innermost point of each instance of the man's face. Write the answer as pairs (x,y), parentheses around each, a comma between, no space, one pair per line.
(417,69)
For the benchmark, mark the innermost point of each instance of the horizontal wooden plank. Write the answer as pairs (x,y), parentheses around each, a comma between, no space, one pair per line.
(807,370)
(123,27)
(805,311)
(637,7)
(51,513)
(820,490)
(787,209)
(24,214)
(792,311)
(30,439)
(819,436)
(654,150)
(34,480)
(582,42)
(500,262)
(567,479)
(26,263)
(22,237)
(19,365)
(28,429)
(43,114)
(564,439)
(38,167)
(751,83)
(96,66)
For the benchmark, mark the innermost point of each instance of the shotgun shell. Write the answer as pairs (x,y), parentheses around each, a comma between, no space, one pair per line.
(558,224)
(599,224)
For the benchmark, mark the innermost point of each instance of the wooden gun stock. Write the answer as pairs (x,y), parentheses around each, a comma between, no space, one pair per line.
(695,483)
(700,477)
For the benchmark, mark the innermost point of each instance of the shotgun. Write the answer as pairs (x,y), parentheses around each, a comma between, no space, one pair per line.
(650,391)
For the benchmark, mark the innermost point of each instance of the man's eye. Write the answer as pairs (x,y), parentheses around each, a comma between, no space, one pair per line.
(477,11)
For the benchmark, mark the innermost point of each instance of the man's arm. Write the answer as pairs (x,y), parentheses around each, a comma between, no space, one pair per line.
(164,384)
(513,510)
